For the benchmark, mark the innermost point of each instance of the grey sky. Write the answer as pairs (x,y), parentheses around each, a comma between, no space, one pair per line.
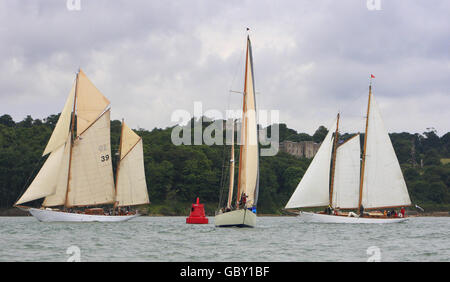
(311,58)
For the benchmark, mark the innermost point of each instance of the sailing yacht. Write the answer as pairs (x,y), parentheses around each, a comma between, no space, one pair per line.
(78,172)
(243,214)
(374,183)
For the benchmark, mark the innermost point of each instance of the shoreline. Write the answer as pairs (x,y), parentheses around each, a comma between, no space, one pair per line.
(13,212)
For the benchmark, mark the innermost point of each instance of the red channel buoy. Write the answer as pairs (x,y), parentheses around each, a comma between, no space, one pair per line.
(197,215)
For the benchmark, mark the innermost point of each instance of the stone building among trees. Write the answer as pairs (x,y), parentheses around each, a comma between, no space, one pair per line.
(302,149)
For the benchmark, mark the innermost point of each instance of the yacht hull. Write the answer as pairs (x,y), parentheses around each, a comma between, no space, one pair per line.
(45,215)
(325,218)
(236,218)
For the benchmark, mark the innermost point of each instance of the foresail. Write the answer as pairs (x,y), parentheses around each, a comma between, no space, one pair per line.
(131,184)
(91,176)
(61,130)
(59,197)
(248,181)
(90,103)
(384,185)
(44,183)
(313,189)
(347,174)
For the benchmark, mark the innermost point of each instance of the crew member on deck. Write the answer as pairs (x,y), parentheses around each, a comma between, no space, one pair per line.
(244,199)
(361,211)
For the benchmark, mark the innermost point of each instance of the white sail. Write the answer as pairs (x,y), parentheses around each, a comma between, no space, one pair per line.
(131,188)
(61,130)
(313,189)
(59,197)
(91,176)
(44,183)
(90,103)
(248,181)
(347,174)
(383,184)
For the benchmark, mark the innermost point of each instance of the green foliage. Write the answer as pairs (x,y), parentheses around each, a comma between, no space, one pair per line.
(177,175)
(320,134)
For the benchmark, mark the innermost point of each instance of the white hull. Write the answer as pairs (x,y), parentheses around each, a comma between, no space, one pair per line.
(325,218)
(238,218)
(60,216)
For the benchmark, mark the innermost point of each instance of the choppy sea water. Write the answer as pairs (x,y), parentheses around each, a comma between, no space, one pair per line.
(274,239)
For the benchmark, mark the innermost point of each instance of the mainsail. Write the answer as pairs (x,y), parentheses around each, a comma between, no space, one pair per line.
(313,189)
(346,177)
(248,178)
(383,182)
(91,177)
(131,187)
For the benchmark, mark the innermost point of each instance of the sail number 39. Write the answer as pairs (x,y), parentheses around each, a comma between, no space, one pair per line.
(104,158)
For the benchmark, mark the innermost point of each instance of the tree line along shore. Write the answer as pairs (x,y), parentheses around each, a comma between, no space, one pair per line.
(177,175)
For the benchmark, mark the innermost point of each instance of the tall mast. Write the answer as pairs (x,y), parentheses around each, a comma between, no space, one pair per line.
(333,166)
(363,164)
(72,138)
(243,132)
(230,190)
(118,166)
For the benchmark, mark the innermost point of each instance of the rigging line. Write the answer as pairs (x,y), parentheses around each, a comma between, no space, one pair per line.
(235,75)
(223,177)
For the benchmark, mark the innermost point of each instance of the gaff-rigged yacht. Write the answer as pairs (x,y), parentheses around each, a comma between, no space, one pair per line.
(374,183)
(77,176)
(243,214)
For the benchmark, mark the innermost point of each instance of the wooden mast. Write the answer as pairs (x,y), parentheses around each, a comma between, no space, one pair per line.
(363,164)
(243,125)
(72,139)
(230,190)
(118,166)
(333,166)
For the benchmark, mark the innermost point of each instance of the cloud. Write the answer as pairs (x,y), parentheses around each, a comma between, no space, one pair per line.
(311,59)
